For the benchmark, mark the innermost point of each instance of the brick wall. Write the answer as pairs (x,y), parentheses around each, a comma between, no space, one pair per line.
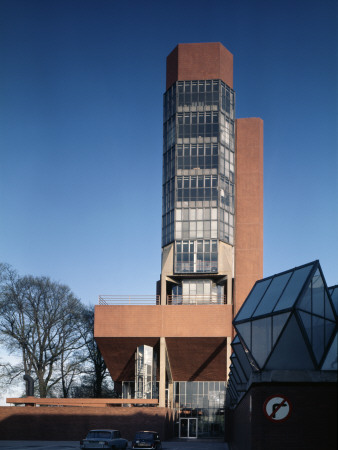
(200,61)
(249,207)
(312,424)
(73,423)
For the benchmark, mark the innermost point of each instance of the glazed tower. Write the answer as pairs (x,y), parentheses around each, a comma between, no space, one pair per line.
(176,348)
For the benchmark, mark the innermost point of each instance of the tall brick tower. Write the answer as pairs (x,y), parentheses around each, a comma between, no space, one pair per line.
(212,248)
(212,213)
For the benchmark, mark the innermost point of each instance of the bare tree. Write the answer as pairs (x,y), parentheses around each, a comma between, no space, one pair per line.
(96,382)
(39,320)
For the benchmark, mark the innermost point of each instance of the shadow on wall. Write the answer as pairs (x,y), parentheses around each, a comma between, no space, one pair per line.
(73,423)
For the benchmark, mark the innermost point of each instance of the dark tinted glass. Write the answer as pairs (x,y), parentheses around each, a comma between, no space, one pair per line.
(328,308)
(317,294)
(330,362)
(291,352)
(261,340)
(243,359)
(318,337)
(244,329)
(306,301)
(334,295)
(252,301)
(238,368)
(293,288)
(272,294)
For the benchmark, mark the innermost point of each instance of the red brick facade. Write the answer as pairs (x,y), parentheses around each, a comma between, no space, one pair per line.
(195,338)
(73,423)
(205,61)
(249,207)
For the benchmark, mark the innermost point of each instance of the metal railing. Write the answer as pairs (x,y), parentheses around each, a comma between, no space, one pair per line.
(129,299)
(196,299)
(114,300)
(199,267)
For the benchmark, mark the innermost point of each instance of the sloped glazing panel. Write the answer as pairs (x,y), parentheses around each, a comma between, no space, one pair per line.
(233,373)
(253,300)
(329,330)
(329,314)
(331,360)
(317,294)
(233,390)
(244,329)
(307,321)
(318,337)
(238,368)
(278,323)
(293,288)
(291,351)
(334,295)
(235,378)
(272,294)
(261,340)
(243,359)
(236,340)
(305,301)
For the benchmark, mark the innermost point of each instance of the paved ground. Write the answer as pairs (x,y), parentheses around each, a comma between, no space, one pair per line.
(71,445)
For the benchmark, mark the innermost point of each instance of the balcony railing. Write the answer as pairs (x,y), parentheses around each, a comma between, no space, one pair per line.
(199,267)
(196,299)
(155,300)
(129,299)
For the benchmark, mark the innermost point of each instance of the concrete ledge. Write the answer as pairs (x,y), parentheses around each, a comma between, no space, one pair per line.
(97,402)
(293,376)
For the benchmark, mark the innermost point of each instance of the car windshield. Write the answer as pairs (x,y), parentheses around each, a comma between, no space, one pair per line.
(99,435)
(144,435)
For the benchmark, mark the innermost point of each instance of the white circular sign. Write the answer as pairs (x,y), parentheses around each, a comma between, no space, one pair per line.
(277,408)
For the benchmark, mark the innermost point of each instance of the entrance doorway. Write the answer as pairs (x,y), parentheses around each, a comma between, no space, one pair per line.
(188,428)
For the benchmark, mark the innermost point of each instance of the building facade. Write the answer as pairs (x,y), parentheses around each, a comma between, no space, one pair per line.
(212,248)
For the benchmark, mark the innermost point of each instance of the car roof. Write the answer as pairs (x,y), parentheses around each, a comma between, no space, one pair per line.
(102,429)
(146,431)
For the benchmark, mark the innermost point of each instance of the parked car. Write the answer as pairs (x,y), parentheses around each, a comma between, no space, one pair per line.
(104,439)
(147,440)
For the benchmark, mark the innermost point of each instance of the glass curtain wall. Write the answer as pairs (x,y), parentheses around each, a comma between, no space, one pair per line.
(198,172)
(203,400)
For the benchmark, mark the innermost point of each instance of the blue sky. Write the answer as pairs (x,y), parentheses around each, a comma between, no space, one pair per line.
(81,85)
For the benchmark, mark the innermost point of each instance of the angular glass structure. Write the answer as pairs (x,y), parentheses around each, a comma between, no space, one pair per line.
(331,360)
(334,295)
(288,320)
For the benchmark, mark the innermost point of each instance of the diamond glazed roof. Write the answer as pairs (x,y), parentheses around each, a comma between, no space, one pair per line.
(276,293)
(334,295)
(289,320)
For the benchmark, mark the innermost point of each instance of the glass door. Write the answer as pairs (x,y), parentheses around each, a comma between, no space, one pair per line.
(188,428)
(192,428)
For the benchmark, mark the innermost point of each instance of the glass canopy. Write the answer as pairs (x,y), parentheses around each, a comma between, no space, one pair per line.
(288,322)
